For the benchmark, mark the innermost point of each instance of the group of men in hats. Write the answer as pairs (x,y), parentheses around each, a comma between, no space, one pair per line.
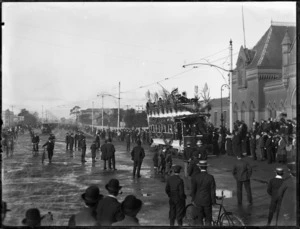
(107,210)
(203,193)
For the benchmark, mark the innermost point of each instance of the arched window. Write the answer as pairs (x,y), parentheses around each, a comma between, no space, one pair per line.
(235,112)
(252,112)
(243,110)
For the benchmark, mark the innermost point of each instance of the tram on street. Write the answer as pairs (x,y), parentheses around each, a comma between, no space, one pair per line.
(178,120)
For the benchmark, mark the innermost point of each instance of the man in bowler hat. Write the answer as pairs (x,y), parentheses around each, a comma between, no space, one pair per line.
(175,192)
(109,209)
(130,207)
(273,187)
(87,216)
(203,195)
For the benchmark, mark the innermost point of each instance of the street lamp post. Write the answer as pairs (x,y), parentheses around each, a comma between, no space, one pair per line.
(230,80)
(105,94)
(222,117)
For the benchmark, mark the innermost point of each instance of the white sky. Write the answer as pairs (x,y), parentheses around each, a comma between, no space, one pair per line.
(58,55)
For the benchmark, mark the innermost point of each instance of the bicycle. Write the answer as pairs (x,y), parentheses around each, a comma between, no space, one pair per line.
(225,218)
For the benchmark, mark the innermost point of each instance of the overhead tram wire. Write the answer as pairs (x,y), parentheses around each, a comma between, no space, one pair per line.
(157,82)
(226,49)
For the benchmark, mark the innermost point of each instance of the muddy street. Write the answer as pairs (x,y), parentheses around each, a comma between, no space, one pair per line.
(57,187)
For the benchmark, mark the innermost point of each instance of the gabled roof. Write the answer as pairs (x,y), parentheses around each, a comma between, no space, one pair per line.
(268,50)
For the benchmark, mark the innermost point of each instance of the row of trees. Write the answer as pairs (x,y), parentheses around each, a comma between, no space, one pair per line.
(131,117)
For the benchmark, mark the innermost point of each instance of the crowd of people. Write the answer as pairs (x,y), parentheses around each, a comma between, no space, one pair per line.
(271,141)
(99,210)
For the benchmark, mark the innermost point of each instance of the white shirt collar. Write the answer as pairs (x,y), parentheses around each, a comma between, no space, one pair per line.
(112,196)
(278,176)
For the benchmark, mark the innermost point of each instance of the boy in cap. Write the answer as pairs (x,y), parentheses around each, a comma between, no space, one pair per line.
(187,155)
(273,187)
(130,207)
(175,192)
(87,216)
(109,208)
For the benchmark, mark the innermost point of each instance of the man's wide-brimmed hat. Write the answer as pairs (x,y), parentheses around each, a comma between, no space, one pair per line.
(92,194)
(131,205)
(33,217)
(113,185)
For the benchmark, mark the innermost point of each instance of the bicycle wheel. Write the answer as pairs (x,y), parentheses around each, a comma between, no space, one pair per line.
(188,218)
(229,219)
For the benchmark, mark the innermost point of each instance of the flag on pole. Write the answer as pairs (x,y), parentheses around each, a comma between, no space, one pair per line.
(205,88)
(175,91)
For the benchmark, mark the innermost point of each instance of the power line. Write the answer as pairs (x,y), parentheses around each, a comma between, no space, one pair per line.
(210,55)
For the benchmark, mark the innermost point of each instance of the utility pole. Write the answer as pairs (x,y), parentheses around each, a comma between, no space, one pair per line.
(102,110)
(119,107)
(93,116)
(42,113)
(230,83)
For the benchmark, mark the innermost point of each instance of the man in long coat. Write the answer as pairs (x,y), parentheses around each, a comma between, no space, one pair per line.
(175,192)
(273,187)
(242,172)
(203,195)
(137,155)
(93,151)
(104,154)
(287,194)
(110,151)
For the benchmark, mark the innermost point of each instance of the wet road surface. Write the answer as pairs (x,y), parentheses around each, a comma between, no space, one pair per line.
(57,187)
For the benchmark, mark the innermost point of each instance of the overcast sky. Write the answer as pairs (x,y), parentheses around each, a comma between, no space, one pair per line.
(58,55)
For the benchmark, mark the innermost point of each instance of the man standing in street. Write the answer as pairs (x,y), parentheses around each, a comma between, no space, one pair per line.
(67,141)
(203,195)
(71,141)
(109,208)
(104,154)
(50,148)
(127,138)
(175,192)
(273,187)
(98,142)
(110,151)
(76,139)
(137,155)
(242,172)
(93,150)
(83,149)
(187,155)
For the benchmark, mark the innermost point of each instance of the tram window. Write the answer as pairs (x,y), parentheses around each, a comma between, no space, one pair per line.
(170,128)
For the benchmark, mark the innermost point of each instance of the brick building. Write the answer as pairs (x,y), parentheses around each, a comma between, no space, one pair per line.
(264,80)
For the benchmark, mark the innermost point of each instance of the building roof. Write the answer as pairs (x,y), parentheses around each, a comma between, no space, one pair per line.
(268,50)
(217,102)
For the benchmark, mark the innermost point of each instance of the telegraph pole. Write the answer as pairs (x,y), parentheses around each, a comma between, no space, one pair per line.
(102,110)
(119,107)
(93,116)
(230,83)
(42,113)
